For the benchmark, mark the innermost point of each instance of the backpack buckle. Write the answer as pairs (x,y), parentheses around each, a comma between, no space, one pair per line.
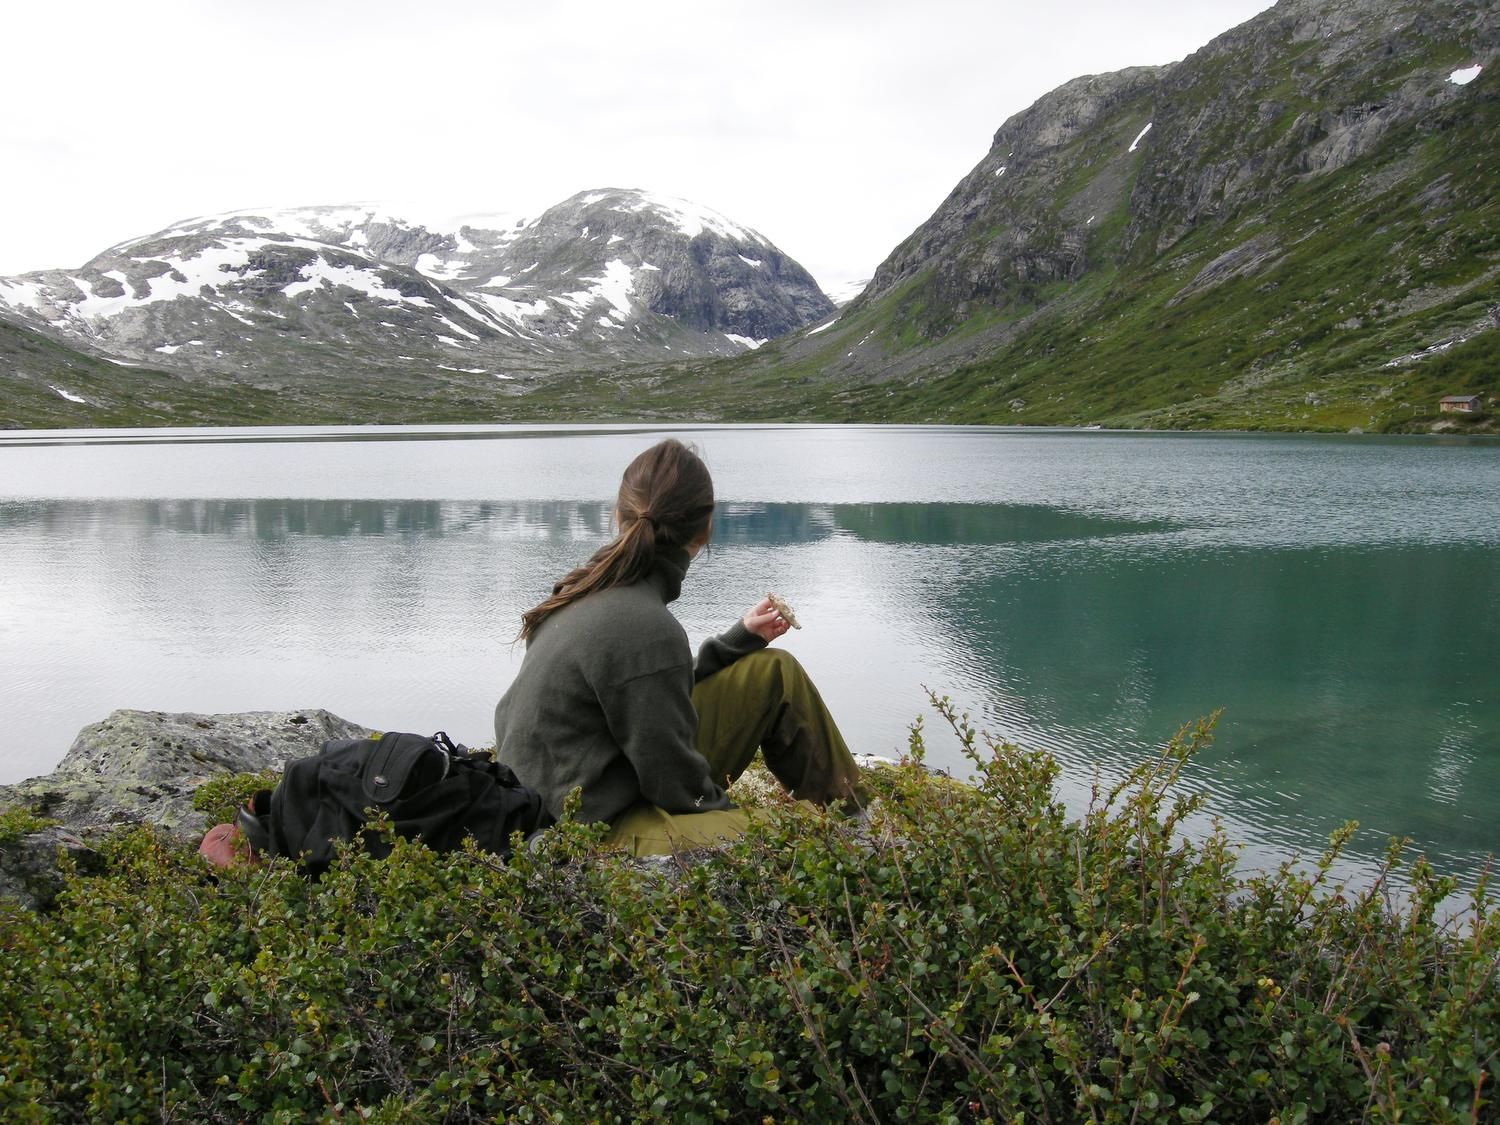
(402,761)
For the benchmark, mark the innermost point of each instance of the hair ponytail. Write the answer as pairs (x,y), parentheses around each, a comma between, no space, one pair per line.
(666,499)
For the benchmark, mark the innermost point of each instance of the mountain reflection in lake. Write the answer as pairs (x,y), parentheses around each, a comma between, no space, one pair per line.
(1094,596)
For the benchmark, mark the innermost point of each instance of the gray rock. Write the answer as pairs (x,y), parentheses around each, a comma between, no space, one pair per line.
(31,867)
(1012,196)
(1256,255)
(143,766)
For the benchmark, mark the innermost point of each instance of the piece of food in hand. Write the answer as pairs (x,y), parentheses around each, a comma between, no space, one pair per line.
(785,610)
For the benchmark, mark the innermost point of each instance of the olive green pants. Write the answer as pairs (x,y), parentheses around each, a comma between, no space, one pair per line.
(766,702)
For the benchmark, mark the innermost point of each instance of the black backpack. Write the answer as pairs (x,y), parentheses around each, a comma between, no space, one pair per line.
(430,788)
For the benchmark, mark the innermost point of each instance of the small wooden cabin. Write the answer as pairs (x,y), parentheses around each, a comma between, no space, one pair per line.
(1460,404)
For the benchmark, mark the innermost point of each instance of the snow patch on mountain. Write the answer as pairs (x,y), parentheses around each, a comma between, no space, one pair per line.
(843,292)
(478,315)
(186,277)
(22,294)
(692,219)
(457,328)
(443,269)
(1464,76)
(515,312)
(319,274)
(341,223)
(615,287)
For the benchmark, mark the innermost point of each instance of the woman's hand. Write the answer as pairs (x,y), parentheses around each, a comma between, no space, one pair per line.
(765,621)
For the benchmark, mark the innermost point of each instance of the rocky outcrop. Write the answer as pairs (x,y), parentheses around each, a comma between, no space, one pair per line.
(1303,90)
(31,867)
(1255,255)
(141,767)
(1011,199)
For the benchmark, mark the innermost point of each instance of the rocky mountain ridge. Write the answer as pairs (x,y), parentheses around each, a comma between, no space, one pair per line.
(305,302)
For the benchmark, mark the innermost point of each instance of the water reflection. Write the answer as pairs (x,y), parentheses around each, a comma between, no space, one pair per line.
(280,519)
(768,525)
(1355,682)
(981,523)
(1339,674)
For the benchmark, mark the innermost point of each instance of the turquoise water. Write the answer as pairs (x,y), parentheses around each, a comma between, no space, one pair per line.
(1337,599)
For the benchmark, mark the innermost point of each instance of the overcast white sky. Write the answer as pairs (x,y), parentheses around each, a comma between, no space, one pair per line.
(834,128)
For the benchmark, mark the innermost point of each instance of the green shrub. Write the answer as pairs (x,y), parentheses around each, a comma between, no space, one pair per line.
(968,953)
(21,821)
(221,797)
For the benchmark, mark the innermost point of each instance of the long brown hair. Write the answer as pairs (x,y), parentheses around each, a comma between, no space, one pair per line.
(666,499)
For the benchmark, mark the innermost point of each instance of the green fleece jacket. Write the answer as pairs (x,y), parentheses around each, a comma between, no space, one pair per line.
(603,702)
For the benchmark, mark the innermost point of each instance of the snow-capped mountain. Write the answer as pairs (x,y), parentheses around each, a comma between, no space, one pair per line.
(604,276)
(601,255)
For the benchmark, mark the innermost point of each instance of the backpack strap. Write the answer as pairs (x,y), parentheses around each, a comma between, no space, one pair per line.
(392,761)
(253,818)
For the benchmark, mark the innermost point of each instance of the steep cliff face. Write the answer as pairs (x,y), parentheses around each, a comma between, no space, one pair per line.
(1306,89)
(1012,225)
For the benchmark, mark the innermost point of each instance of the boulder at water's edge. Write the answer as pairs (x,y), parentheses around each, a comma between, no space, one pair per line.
(141,767)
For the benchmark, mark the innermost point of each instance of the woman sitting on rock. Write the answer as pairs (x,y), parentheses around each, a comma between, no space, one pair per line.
(609,699)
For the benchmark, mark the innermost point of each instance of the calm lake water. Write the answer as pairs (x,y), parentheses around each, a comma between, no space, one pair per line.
(1082,592)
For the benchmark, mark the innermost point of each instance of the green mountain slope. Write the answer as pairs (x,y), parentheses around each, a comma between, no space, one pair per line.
(47,385)
(1307,237)
(44,384)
